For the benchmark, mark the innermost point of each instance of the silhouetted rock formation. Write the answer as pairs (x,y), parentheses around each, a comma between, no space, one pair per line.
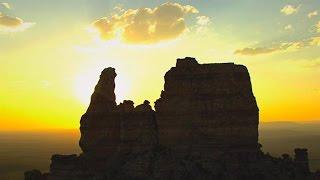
(205,127)
(302,160)
(107,129)
(34,175)
(103,98)
(208,109)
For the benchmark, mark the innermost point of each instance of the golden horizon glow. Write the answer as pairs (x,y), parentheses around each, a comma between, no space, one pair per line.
(49,70)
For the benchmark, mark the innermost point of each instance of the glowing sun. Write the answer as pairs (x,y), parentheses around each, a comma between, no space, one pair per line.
(85,83)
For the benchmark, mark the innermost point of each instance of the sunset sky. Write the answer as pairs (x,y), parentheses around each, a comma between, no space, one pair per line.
(52,52)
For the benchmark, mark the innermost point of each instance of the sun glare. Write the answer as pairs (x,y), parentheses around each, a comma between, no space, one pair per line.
(85,83)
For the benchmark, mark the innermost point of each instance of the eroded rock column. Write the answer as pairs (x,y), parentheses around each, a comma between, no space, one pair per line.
(100,126)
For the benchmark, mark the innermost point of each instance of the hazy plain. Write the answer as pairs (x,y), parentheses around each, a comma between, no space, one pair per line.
(20,151)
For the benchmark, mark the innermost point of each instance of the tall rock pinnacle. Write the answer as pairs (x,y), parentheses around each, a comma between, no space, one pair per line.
(103,98)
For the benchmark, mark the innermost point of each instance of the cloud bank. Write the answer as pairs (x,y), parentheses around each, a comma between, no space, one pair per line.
(146,25)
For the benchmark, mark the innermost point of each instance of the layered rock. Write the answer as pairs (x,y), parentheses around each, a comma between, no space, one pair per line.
(208,109)
(205,127)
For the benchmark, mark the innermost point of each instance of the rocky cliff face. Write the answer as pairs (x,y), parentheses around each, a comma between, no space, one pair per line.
(208,109)
(205,126)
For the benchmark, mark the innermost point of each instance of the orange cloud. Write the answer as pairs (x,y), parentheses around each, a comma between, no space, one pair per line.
(12,24)
(10,21)
(146,25)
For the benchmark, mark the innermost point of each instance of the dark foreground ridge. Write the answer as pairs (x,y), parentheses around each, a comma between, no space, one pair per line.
(204,127)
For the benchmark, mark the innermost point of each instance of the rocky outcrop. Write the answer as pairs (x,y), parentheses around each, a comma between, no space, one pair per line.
(208,109)
(103,98)
(108,129)
(205,126)
(35,175)
(302,160)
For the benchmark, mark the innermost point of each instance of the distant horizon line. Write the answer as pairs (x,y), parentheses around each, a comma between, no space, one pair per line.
(73,129)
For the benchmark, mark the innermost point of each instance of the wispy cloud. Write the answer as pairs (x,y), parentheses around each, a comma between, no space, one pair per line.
(315,41)
(5,5)
(146,25)
(203,20)
(203,23)
(289,9)
(252,51)
(288,27)
(119,8)
(313,64)
(318,26)
(276,47)
(312,14)
(13,24)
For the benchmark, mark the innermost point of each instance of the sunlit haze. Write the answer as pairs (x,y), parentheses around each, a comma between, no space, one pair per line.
(52,53)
